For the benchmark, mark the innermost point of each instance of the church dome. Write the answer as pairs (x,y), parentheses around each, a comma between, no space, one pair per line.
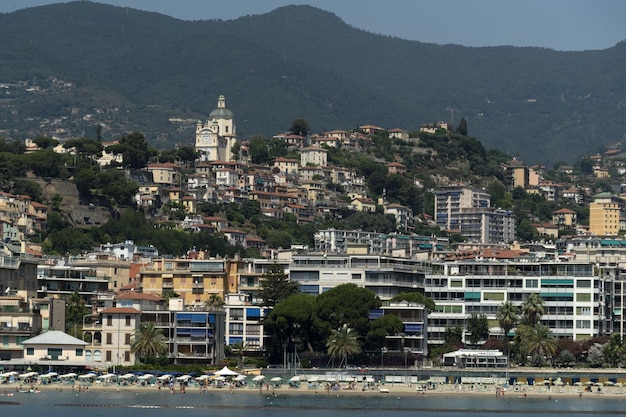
(221,112)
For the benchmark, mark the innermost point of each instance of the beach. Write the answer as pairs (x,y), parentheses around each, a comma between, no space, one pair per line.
(402,390)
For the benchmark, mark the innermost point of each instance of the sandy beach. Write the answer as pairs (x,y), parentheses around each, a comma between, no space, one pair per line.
(441,390)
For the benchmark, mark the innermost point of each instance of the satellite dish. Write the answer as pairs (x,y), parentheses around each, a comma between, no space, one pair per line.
(7,290)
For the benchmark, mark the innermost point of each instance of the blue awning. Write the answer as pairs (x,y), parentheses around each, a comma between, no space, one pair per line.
(183,316)
(198,318)
(413,327)
(198,332)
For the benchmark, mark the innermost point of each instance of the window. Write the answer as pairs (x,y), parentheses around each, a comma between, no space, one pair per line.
(583,324)
(583,297)
(109,338)
(55,353)
(79,352)
(127,356)
(493,296)
(128,320)
(30,351)
(108,356)
(109,320)
(127,338)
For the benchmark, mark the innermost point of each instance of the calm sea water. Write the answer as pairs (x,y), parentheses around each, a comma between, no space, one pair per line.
(224,404)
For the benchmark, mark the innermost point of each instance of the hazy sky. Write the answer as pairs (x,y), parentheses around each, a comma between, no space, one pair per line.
(565,25)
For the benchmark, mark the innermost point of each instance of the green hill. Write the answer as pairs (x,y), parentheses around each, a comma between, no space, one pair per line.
(134,70)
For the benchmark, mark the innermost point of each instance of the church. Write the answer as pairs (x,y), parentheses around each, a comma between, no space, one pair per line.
(216,137)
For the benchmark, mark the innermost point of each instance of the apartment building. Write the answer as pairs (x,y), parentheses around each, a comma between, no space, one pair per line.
(571,291)
(194,280)
(451,200)
(606,215)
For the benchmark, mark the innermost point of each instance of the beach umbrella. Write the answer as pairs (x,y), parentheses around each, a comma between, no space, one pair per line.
(258,378)
(225,372)
(241,377)
(203,377)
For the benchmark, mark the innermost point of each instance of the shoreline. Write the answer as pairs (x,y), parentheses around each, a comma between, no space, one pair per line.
(442,390)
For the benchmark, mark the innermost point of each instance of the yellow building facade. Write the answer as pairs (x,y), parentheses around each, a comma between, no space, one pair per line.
(606,215)
(196,281)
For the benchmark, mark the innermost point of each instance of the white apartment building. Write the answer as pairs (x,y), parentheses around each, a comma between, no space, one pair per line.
(571,291)
(450,200)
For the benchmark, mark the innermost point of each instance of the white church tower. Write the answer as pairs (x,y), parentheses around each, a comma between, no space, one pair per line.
(215,139)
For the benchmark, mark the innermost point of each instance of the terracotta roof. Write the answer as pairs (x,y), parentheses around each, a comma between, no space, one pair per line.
(565,211)
(120,310)
(135,295)
(131,286)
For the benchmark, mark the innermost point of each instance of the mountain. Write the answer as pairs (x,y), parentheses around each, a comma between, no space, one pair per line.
(73,66)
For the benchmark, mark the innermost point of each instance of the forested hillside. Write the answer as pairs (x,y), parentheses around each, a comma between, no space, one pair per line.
(68,68)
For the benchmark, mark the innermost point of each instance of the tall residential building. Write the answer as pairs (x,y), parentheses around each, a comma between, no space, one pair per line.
(385,276)
(243,322)
(216,137)
(194,280)
(451,200)
(487,225)
(517,174)
(571,292)
(606,215)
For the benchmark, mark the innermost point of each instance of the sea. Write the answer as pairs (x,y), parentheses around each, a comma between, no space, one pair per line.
(237,404)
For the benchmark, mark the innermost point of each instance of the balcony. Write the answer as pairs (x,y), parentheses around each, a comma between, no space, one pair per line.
(167,285)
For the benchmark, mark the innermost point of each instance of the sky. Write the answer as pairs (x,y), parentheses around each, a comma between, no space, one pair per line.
(563,25)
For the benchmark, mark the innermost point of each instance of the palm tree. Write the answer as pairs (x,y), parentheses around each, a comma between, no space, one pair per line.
(148,341)
(507,317)
(532,309)
(536,341)
(214,302)
(343,343)
(75,310)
